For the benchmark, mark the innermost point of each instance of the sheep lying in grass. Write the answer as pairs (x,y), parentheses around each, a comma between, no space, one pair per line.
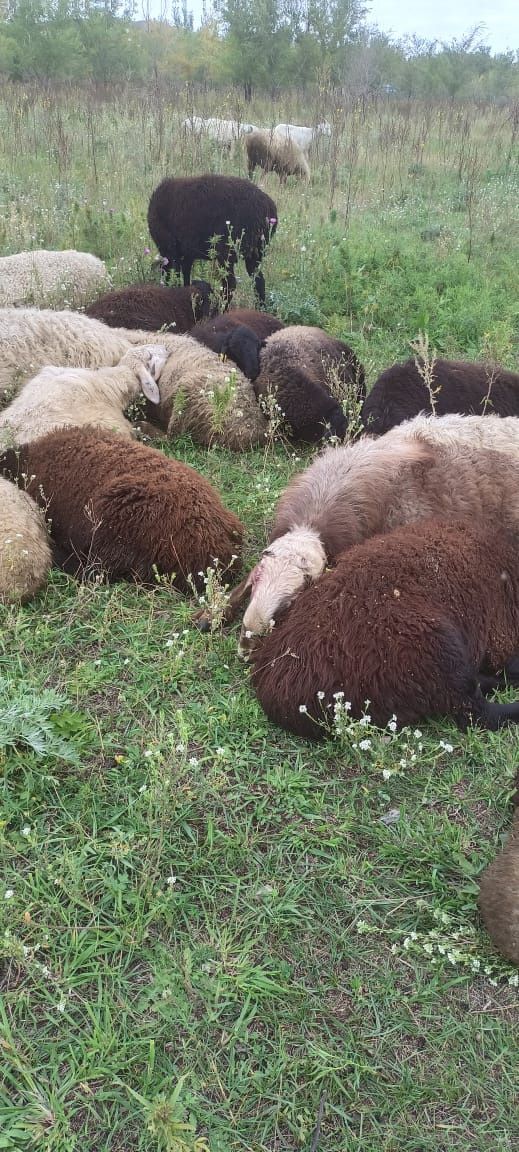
(208,399)
(124,510)
(499,895)
(238,335)
(42,277)
(405,620)
(311,376)
(30,338)
(25,554)
(275,153)
(61,397)
(450,466)
(457,386)
(151,307)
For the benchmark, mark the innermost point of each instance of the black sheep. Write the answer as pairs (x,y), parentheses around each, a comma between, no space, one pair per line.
(457,385)
(187,214)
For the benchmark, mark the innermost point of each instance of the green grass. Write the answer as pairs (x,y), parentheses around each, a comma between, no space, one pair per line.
(212,923)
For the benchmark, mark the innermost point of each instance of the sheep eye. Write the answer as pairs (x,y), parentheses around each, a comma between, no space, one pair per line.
(268,552)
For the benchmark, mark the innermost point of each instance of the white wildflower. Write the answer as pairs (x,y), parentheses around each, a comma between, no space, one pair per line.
(365,744)
(9,893)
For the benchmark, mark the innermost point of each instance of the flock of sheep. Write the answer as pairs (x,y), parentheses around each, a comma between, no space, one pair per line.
(283,149)
(391,572)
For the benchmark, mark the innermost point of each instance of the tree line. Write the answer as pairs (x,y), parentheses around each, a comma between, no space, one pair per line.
(262,45)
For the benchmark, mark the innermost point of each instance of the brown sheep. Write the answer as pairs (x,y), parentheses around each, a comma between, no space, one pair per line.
(499,895)
(123,509)
(274,152)
(186,213)
(151,307)
(458,386)
(405,621)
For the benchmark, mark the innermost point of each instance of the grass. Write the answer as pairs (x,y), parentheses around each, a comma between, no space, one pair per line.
(210,931)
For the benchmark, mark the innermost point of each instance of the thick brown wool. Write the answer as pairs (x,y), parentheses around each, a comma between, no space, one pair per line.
(499,896)
(406,621)
(458,386)
(185,213)
(125,509)
(151,307)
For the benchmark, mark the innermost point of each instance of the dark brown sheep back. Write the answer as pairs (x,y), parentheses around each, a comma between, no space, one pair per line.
(151,307)
(125,509)
(405,621)
(459,386)
(214,331)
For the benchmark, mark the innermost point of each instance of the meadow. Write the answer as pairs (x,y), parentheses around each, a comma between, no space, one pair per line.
(215,937)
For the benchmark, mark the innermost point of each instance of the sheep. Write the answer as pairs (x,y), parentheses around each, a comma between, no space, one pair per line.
(302,136)
(405,621)
(309,373)
(61,397)
(224,132)
(238,335)
(25,553)
(151,307)
(186,213)
(499,895)
(458,386)
(42,277)
(302,368)
(465,466)
(124,510)
(275,153)
(31,338)
(202,396)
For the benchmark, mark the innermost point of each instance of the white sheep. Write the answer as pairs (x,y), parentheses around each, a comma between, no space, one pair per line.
(209,399)
(74,397)
(31,338)
(25,553)
(43,277)
(224,132)
(301,135)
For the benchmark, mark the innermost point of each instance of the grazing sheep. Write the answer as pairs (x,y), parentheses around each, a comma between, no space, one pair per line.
(72,397)
(499,895)
(450,466)
(208,399)
(31,338)
(224,132)
(125,510)
(302,136)
(42,278)
(405,621)
(458,386)
(25,554)
(186,213)
(275,153)
(151,307)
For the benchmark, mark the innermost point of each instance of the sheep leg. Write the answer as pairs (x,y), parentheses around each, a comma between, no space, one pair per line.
(186,271)
(487,713)
(251,264)
(202,618)
(509,675)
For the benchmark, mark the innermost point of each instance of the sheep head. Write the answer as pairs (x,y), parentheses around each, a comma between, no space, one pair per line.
(147,361)
(287,566)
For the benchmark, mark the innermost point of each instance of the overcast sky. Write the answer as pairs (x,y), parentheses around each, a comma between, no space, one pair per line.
(438,20)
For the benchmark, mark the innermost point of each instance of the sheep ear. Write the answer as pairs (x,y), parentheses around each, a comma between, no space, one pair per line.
(150,388)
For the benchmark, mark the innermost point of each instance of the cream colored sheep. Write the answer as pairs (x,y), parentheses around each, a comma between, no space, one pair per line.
(72,397)
(275,153)
(207,398)
(31,338)
(25,554)
(42,277)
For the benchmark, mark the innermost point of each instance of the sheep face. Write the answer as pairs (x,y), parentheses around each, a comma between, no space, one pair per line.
(148,360)
(286,567)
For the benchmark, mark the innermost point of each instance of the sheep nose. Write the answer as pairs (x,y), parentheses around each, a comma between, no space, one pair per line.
(246,644)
